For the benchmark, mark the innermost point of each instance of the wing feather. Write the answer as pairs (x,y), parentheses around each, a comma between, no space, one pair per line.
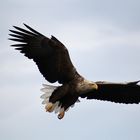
(50,55)
(116,92)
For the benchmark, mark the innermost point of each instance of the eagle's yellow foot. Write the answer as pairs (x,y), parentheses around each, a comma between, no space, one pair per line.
(61,114)
(49,107)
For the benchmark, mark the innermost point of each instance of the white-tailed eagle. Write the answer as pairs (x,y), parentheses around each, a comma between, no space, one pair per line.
(53,61)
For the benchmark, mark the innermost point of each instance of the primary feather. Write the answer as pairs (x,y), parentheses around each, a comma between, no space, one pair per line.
(50,55)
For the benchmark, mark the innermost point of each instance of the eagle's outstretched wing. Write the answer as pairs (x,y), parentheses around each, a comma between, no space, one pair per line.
(50,55)
(127,93)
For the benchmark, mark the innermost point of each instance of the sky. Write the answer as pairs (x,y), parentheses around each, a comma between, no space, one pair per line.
(102,37)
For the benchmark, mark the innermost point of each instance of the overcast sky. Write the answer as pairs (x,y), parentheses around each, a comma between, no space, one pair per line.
(103,38)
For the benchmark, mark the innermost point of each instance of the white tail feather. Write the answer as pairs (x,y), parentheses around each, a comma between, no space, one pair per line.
(45,101)
(57,109)
(44,96)
(57,106)
(49,86)
(48,90)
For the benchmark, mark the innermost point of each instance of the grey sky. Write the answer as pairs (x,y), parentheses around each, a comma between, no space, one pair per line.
(103,38)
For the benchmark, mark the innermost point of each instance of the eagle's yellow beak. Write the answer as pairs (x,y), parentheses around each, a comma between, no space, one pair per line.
(95,86)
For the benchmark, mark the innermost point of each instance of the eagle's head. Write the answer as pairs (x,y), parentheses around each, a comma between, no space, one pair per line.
(86,86)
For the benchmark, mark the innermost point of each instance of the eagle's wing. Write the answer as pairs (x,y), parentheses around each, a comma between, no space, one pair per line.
(116,92)
(50,55)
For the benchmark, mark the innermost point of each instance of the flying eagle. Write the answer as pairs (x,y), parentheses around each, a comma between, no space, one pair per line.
(54,63)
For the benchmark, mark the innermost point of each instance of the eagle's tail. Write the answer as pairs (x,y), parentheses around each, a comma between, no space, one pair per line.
(48,90)
(56,107)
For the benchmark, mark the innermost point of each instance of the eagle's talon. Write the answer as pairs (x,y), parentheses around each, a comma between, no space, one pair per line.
(49,107)
(61,115)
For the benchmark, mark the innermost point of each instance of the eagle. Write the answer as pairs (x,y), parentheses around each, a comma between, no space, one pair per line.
(54,63)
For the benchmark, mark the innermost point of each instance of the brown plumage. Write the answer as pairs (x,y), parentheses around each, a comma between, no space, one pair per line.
(127,93)
(53,61)
(50,55)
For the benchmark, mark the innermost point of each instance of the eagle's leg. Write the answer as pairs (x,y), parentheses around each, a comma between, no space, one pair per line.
(56,99)
(49,107)
(61,113)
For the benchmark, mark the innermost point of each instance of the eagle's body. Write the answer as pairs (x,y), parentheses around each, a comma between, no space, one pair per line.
(53,61)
